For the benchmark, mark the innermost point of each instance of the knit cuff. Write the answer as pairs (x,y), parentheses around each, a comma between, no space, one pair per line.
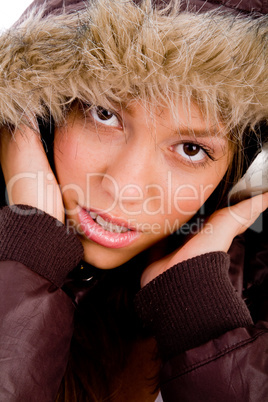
(191,303)
(39,241)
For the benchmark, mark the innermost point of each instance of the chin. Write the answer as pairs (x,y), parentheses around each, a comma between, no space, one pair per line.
(103,258)
(105,265)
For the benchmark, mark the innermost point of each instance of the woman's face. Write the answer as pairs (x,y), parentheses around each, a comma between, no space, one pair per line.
(130,177)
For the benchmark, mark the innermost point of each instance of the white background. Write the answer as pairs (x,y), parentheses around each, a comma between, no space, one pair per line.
(10,11)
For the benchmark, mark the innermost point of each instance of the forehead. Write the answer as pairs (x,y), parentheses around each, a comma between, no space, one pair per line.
(181,118)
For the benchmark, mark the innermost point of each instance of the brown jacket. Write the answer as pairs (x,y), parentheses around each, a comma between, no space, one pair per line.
(245,6)
(212,350)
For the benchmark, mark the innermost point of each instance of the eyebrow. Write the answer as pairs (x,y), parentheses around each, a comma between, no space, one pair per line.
(199,133)
(203,133)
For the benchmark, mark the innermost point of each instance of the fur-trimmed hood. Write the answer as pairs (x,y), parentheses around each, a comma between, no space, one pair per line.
(114,51)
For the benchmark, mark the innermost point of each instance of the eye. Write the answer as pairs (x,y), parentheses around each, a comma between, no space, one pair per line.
(191,151)
(104,116)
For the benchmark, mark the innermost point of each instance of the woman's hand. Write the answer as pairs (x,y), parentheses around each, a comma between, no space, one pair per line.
(27,173)
(216,235)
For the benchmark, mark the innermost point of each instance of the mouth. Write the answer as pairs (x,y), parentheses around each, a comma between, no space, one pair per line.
(106,231)
(107,224)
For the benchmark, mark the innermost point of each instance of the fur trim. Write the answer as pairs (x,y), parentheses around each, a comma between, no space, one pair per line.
(116,51)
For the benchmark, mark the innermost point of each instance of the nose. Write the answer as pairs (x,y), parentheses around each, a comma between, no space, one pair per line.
(129,173)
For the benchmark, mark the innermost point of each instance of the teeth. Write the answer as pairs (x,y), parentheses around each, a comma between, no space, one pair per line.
(101,221)
(108,225)
(93,215)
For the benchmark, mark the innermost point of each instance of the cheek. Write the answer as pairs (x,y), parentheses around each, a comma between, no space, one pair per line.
(75,157)
(188,195)
(63,152)
(189,198)
(67,167)
(186,200)
(76,165)
(69,158)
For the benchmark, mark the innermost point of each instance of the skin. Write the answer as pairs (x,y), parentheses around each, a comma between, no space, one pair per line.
(140,148)
(146,175)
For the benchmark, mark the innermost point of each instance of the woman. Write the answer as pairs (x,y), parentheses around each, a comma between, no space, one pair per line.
(148,114)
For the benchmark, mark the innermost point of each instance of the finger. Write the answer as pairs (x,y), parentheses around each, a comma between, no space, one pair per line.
(217,234)
(221,228)
(245,213)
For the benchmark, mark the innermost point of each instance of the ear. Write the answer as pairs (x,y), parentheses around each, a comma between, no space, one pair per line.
(255,180)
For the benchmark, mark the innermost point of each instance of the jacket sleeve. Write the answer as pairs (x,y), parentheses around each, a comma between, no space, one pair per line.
(36,316)
(211,349)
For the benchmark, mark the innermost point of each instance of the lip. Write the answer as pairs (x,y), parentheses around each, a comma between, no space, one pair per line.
(93,231)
